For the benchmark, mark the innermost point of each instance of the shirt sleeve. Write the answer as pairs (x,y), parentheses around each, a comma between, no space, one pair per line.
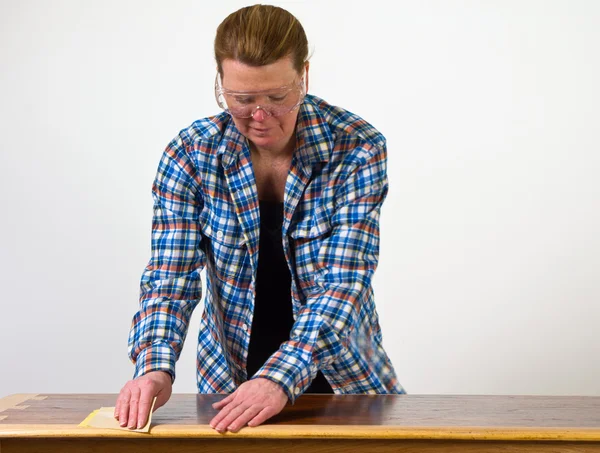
(170,285)
(345,265)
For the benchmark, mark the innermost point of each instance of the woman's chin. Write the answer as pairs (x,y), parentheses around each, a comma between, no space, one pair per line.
(262,138)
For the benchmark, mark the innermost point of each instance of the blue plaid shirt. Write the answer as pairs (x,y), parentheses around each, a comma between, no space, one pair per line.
(206,214)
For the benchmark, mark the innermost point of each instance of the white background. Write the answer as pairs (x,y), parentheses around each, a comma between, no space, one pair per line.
(489,278)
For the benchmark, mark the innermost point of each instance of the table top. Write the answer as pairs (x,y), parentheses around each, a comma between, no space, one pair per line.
(497,417)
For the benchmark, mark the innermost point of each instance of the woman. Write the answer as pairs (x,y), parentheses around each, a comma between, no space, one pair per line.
(280,172)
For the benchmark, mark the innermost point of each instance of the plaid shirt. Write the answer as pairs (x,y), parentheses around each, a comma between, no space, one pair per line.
(206,214)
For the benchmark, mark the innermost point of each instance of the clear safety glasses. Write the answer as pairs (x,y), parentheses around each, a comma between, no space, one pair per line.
(276,102)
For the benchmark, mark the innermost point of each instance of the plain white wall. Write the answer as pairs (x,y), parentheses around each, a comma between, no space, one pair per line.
(489,278)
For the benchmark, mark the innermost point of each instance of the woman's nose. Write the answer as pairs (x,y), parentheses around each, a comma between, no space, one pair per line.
(259,115)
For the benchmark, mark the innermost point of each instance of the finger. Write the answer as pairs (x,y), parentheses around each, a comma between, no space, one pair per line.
(222,414)
(223,402)
(263,416)
(241,421)
(146,397)
(124,406)
(133,407)
(117,407)
(233,415)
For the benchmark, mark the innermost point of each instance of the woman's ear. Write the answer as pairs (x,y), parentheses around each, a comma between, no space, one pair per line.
(306,67)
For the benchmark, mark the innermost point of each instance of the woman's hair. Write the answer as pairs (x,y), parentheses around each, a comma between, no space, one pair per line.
(260,35)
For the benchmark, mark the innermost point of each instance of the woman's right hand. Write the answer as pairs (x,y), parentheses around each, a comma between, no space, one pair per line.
(135,399)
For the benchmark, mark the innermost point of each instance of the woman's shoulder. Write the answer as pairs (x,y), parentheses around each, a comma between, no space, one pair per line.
(345,124)
(198,143)
(203,130)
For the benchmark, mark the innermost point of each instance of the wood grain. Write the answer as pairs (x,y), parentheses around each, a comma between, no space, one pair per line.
(357,410)
(13,401)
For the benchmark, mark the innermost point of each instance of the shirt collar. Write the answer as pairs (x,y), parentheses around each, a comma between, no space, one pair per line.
(314,141)
(232,144)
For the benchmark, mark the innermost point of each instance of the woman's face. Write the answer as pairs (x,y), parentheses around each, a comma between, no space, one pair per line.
(271,133)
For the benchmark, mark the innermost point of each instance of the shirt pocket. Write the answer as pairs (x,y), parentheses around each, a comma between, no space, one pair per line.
(306,238)
(226,249)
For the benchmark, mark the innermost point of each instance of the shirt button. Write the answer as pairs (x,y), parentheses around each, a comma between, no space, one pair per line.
(220,234)
(297,390)
(245,327)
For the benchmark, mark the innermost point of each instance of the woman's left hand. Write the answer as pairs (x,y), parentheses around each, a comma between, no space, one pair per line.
(253,403)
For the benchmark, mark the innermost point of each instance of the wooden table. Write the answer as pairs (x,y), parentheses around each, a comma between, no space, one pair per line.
(316,423)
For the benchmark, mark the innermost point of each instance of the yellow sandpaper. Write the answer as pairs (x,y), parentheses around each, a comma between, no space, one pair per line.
(105,418)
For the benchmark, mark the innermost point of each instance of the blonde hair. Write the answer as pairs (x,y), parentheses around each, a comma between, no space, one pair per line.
(259,35)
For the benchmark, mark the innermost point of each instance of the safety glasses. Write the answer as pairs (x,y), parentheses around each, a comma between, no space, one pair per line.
(274,102)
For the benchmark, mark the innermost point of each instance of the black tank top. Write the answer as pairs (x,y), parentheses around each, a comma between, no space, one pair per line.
(273,314)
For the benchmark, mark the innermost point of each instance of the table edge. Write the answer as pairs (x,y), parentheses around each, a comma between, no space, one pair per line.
(365,432)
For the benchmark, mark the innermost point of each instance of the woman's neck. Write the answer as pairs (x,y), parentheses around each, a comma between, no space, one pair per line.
(275,153)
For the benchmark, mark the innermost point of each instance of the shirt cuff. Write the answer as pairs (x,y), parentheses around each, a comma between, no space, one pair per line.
(157,357)
(289,368)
